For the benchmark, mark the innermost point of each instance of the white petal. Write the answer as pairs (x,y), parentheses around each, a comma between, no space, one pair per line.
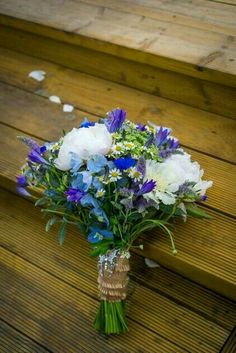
(37,75)
(67,108)
(55,99)
(151,263)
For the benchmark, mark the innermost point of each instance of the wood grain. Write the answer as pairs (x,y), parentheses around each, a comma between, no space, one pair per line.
(197,129)
(180,43)
(34,115)
(162,308)
(202,94)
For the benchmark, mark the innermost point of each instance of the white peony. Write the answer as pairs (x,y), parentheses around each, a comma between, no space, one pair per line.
(85,142)
(171,174)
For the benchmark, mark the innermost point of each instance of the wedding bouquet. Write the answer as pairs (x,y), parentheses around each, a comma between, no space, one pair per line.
(114,179)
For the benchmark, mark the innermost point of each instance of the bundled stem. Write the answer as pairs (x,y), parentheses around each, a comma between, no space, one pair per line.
(112,284)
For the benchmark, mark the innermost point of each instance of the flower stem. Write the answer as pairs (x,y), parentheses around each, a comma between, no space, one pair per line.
(110,318)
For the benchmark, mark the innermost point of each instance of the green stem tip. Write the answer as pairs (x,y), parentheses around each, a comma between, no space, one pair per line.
(110,318)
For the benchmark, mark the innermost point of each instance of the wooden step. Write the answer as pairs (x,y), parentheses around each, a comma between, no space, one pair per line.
(206,248)
(181,50)
(49,295)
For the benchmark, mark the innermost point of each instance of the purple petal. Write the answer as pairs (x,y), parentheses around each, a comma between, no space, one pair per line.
(35,156)
(147,187)
(115,120)
(21,181)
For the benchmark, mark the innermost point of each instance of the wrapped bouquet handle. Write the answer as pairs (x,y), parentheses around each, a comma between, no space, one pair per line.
(113,280)
(114,180)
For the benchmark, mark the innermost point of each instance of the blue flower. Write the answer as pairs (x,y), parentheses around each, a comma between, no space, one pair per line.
(161,136)
(147,187)
(89,200)
(86,123)
(43,149)
(35,156)
(74,195)
(82,181)
(115,119)
(96,163)
(100,214)
(124,163)
(97,184)
(97,234)
(76,162)
(21,181)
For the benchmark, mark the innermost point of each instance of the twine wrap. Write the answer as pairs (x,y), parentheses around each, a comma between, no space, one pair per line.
(113,277)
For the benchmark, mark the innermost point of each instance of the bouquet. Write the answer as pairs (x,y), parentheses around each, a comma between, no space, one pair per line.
(114,180)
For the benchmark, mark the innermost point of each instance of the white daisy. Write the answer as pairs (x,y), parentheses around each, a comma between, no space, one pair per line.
(134,174)
(100,193)
(115,174)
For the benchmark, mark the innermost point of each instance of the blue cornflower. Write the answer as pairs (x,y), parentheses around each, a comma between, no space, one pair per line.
(124,163)
(147,187)
(74,195)
(35,156)
(86,123)
(97,234)
(115,119)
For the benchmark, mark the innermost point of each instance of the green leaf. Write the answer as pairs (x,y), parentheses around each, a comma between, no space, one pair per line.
(41,201)
(50,223)
(194,211)
(62,233)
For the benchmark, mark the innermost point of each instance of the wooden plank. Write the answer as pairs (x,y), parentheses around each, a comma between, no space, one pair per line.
(50,296)
(185,46)
(203,14)
(202,94)
(230,345)
(183,261)
(37,116)
(15,341)
(60,316)
(199,130)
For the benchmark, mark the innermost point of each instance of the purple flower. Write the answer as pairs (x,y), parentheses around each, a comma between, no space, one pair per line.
(22,191)
(147,187)
(124,163)
(35,156)
(172,143)
(74,195)
(86,123)
(203,197)
(141,165)
(161,136)
(141,127)
(115,119)
(29,142)
(21,181)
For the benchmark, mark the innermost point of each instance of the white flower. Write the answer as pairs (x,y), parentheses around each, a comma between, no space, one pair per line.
(134,174)
(117,149)
(129,145)
(85,142)
(171,174)
(114,174)
(100,193)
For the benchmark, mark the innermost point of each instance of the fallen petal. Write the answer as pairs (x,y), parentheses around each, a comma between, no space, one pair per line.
(67,108)
(37,75)
(151,263)
(55,99)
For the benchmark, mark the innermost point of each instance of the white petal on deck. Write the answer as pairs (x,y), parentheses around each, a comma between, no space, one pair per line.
(55,99)
(151,263)
(67,108)
(37,75)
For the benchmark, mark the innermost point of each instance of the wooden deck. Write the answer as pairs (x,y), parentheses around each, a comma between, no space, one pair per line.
(96,57)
